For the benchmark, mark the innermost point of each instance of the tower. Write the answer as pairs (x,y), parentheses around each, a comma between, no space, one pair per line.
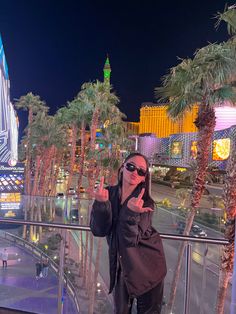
(107,71)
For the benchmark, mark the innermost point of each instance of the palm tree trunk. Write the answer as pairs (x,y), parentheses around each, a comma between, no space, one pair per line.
(82,156)
(222,290)
(227,258)
(92,163)
(34,190)
(72,157)
(205,124)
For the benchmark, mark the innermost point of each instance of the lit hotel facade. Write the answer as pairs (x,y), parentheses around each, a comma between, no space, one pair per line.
(171,143)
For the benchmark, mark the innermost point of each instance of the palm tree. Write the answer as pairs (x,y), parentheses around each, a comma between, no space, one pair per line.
(227,257)
(47,137)
(202,80)
(33,104)
(101,98)
(82,111)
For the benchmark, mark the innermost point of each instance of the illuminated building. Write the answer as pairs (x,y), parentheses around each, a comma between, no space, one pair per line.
(8,119)
(225,116)
(154,119)
(132,127)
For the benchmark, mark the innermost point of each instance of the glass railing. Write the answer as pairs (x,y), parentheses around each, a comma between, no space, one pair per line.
(78,275)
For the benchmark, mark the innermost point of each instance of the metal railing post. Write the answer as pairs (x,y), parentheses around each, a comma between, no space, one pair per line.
(233,297)
(61,274)
(188,266)
(203,281)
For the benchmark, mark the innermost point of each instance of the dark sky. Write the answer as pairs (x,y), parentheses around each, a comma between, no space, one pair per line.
(52,47)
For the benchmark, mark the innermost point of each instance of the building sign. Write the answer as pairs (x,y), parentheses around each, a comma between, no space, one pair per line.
(221,149)
(11,190)
(176,150)
(11,178)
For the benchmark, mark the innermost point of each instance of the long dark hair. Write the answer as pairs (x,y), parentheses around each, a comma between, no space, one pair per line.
(146,195)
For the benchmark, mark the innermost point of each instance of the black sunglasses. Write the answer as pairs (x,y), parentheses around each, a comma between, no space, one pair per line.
(131,168)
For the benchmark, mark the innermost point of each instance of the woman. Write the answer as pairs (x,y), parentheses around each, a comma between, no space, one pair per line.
(123,213)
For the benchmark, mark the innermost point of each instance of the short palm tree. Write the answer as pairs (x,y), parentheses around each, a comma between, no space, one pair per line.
(203,80)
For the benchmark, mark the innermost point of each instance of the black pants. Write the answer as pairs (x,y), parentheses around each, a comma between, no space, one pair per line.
(4,263)
(148,303)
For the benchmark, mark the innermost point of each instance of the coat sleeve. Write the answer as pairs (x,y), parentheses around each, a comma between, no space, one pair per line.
(135,226)
(101,218)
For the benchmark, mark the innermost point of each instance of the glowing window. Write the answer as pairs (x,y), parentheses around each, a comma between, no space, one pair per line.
(193,149)
(176,150)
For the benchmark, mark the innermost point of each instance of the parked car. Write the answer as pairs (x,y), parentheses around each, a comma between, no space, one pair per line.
(60,195)
(71,191)
(195,231)
(59,180)
(82,189)
(74,215)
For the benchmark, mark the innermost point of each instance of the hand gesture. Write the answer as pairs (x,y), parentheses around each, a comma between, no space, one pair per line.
(136,204)
(101,194)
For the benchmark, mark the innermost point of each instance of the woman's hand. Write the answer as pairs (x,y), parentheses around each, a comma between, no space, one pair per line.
(101,194)
(136,204)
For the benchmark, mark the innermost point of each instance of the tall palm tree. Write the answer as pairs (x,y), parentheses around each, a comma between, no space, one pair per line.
(101,98)
(46,138)
(33,104)
(202,80)
(82,112)
(227,257)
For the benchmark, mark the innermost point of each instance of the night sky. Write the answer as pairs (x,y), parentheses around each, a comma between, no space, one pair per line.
(52,47)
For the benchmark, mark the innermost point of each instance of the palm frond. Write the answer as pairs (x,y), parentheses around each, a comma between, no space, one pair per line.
(228,16)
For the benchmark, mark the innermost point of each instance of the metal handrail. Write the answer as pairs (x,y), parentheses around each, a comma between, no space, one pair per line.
(54,266)
(185,238)
(87,228)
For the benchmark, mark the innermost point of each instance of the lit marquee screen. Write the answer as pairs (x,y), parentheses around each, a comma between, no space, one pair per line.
(221,149)
(193,149)
(176,150)
(11,190)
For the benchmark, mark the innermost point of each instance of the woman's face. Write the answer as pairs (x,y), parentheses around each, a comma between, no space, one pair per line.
(134,171)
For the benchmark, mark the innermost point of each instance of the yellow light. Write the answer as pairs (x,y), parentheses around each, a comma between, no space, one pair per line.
(35,238)
(221,149)
(106,124)
(181,169)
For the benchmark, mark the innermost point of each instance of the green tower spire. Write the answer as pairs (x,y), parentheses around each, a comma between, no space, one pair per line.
(107,71)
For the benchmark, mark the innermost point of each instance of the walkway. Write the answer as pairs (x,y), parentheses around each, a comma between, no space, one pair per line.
(19,288)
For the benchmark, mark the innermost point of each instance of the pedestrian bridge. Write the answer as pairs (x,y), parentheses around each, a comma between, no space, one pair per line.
(80,288)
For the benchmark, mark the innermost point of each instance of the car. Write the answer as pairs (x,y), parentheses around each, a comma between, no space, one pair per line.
(195,231)
(82,189)
(71,191)
(74,215)
(59,180)
(60,195)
